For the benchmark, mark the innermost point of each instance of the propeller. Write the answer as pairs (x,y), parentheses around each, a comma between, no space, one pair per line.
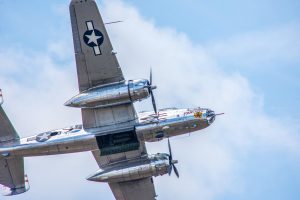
(172,162)
(151,88)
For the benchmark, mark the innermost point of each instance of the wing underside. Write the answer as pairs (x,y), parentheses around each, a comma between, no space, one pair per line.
(96,62)
(134,190)
(129,190)
(97,65)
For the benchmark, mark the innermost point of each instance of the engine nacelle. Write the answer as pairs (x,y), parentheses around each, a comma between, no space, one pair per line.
(156,165)
(111,94)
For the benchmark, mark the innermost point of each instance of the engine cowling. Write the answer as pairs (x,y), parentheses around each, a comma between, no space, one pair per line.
(157,165)
(111,94)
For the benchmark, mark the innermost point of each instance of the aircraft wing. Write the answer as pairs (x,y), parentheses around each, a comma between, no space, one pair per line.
(134,190)
(97,65)
(129,190)
(96,62)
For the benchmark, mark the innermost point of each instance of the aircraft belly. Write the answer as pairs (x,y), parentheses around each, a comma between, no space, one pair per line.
(168,128)
(187,127)
(78,146)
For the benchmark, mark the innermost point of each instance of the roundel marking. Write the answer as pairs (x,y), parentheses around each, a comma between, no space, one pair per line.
(42,137)
(93,38)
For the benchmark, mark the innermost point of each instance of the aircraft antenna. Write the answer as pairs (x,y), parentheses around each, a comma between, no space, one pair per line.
(113,22)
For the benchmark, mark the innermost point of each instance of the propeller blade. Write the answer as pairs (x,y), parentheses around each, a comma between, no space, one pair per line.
(150,76)
(170,150)
(170,169)
(151,88)
(176,171)
(171,161)
(153,102)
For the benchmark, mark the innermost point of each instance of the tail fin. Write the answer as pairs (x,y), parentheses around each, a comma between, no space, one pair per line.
(12,176)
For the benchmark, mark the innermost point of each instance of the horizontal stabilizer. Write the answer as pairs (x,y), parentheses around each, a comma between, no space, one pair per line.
(13,186)
(12,178)
(7,131)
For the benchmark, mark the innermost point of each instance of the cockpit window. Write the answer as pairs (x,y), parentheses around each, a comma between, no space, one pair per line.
(74,131)
(54,133)
(78,126)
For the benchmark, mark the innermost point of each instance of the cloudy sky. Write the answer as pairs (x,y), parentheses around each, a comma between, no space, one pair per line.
(238,57)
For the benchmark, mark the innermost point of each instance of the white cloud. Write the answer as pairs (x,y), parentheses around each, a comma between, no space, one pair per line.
(189,69)
(36,85)
(262,48)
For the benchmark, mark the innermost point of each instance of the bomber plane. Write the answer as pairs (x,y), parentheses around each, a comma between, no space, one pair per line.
(111,129)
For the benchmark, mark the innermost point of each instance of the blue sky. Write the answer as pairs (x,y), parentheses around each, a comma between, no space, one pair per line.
(248,53)
(203,22)
(208,22)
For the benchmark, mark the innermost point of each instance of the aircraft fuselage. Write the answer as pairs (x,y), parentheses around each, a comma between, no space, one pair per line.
(149,128)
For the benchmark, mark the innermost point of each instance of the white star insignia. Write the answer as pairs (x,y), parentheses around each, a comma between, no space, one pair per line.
(43,136)
(93,38)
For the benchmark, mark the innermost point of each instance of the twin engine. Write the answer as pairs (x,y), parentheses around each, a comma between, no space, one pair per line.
(112,94)
(155,165)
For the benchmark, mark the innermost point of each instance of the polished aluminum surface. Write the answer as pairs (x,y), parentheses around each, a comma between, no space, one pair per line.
(154,165)
(67,140)
(111,94)
(170,123)
(108,110)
